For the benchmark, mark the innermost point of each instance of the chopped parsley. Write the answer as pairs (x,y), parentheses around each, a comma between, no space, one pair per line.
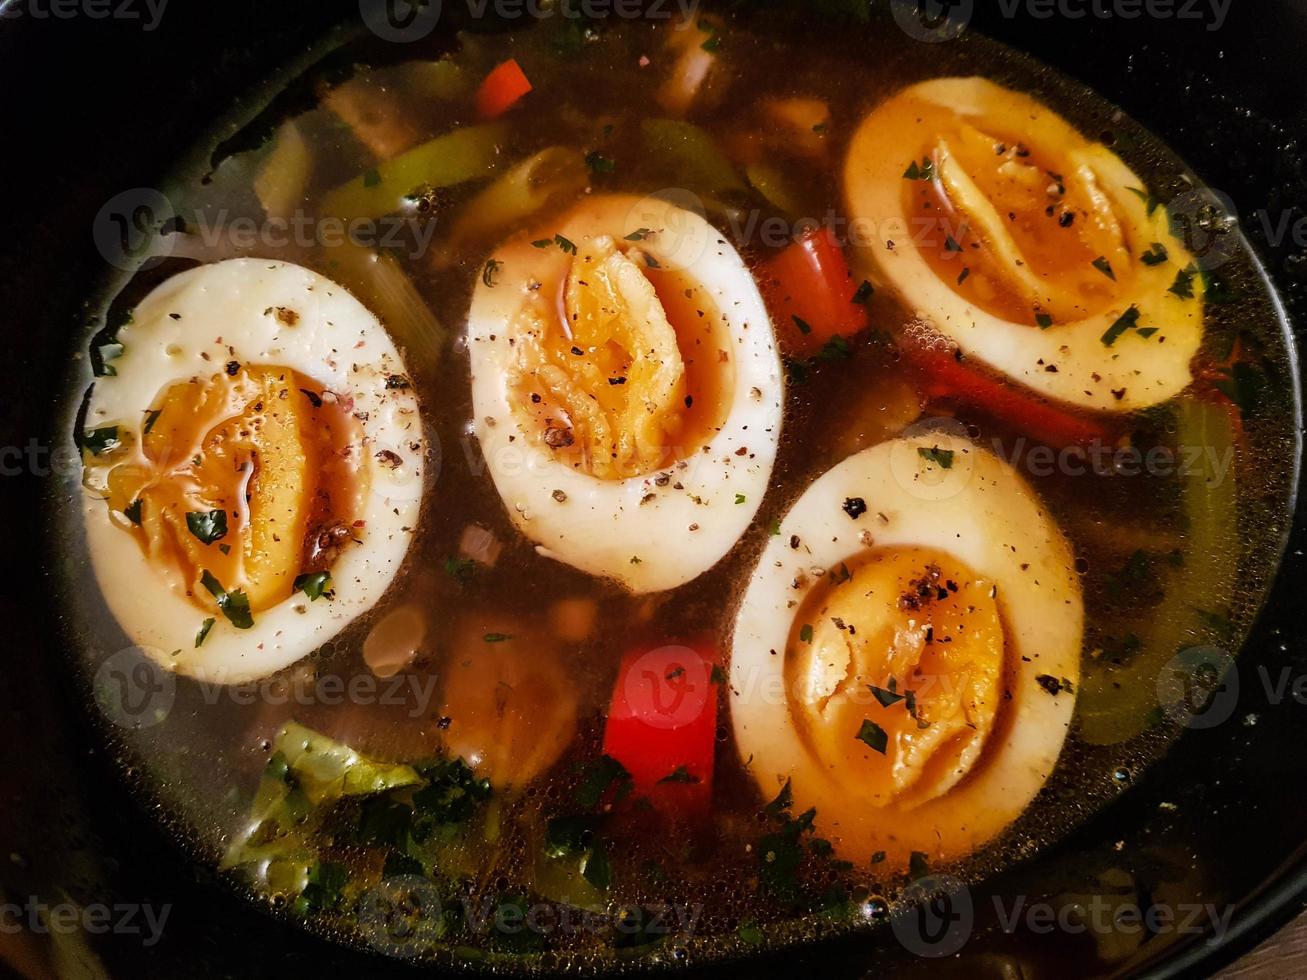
(133,511)
(680,775)
(460,569)
(943,458)
(602,775)
(855,507)
(639,235)
(208,525)
(599,164)
(1155,255)
(1105,267)
(314,585)
(497,637)
(371,178)
(1150,202)
(805,633)
(102,440)
(568,246)
(1129,320)
(714,39)
(864,292)
(873,736)
(204,630)
(151,417)
(490,271)
(926,170)
(1043,321)
(804,327)
(1184,282)
(886,697)
(234,605)
(740,498)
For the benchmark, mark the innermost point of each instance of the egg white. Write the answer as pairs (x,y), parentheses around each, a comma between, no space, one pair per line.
(190,327)
(649,537)
(983,514)
(1135,372)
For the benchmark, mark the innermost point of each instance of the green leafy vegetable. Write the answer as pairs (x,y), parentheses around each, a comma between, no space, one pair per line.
(207,525)
(234,605)
(315,585)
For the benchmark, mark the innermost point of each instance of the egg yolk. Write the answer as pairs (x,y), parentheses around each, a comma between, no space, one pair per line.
(251,475)
(1025,233)
(895,669)
(621,370)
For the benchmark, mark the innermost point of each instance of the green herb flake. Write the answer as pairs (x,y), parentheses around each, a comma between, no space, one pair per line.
(497,637)
(102,440)
(234,605)
(207,525)
(151,417)
(1105,267)
(568,246)
(371,178)
(883,697)
(1150,202)
(805,633)
(863,293)
(1156,255)
(1184,282)
(314,585)
(133,511)
(873,736)
(924,171)
(639,235)
(1043,321)
(943,458)
(204,631)
(599,164)
(460,569)
(1129,320)
(804,327)
(749,933)
(600,776)
(680,775)
(717,676)
(490,271)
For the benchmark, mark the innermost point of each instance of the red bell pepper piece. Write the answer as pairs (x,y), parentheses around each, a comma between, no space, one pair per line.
(662,725)
(811,293)
(505,84)
(945,377)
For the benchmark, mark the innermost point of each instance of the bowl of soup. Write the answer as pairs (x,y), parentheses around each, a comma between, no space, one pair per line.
(655,488)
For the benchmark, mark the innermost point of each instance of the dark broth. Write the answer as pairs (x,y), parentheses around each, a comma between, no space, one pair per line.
(203,762)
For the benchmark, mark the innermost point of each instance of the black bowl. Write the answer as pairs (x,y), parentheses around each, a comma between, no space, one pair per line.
(95,104)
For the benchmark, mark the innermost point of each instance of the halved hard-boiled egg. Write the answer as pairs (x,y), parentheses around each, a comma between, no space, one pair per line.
(907,651)
(256,464)
(1026,245)
(627,389)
